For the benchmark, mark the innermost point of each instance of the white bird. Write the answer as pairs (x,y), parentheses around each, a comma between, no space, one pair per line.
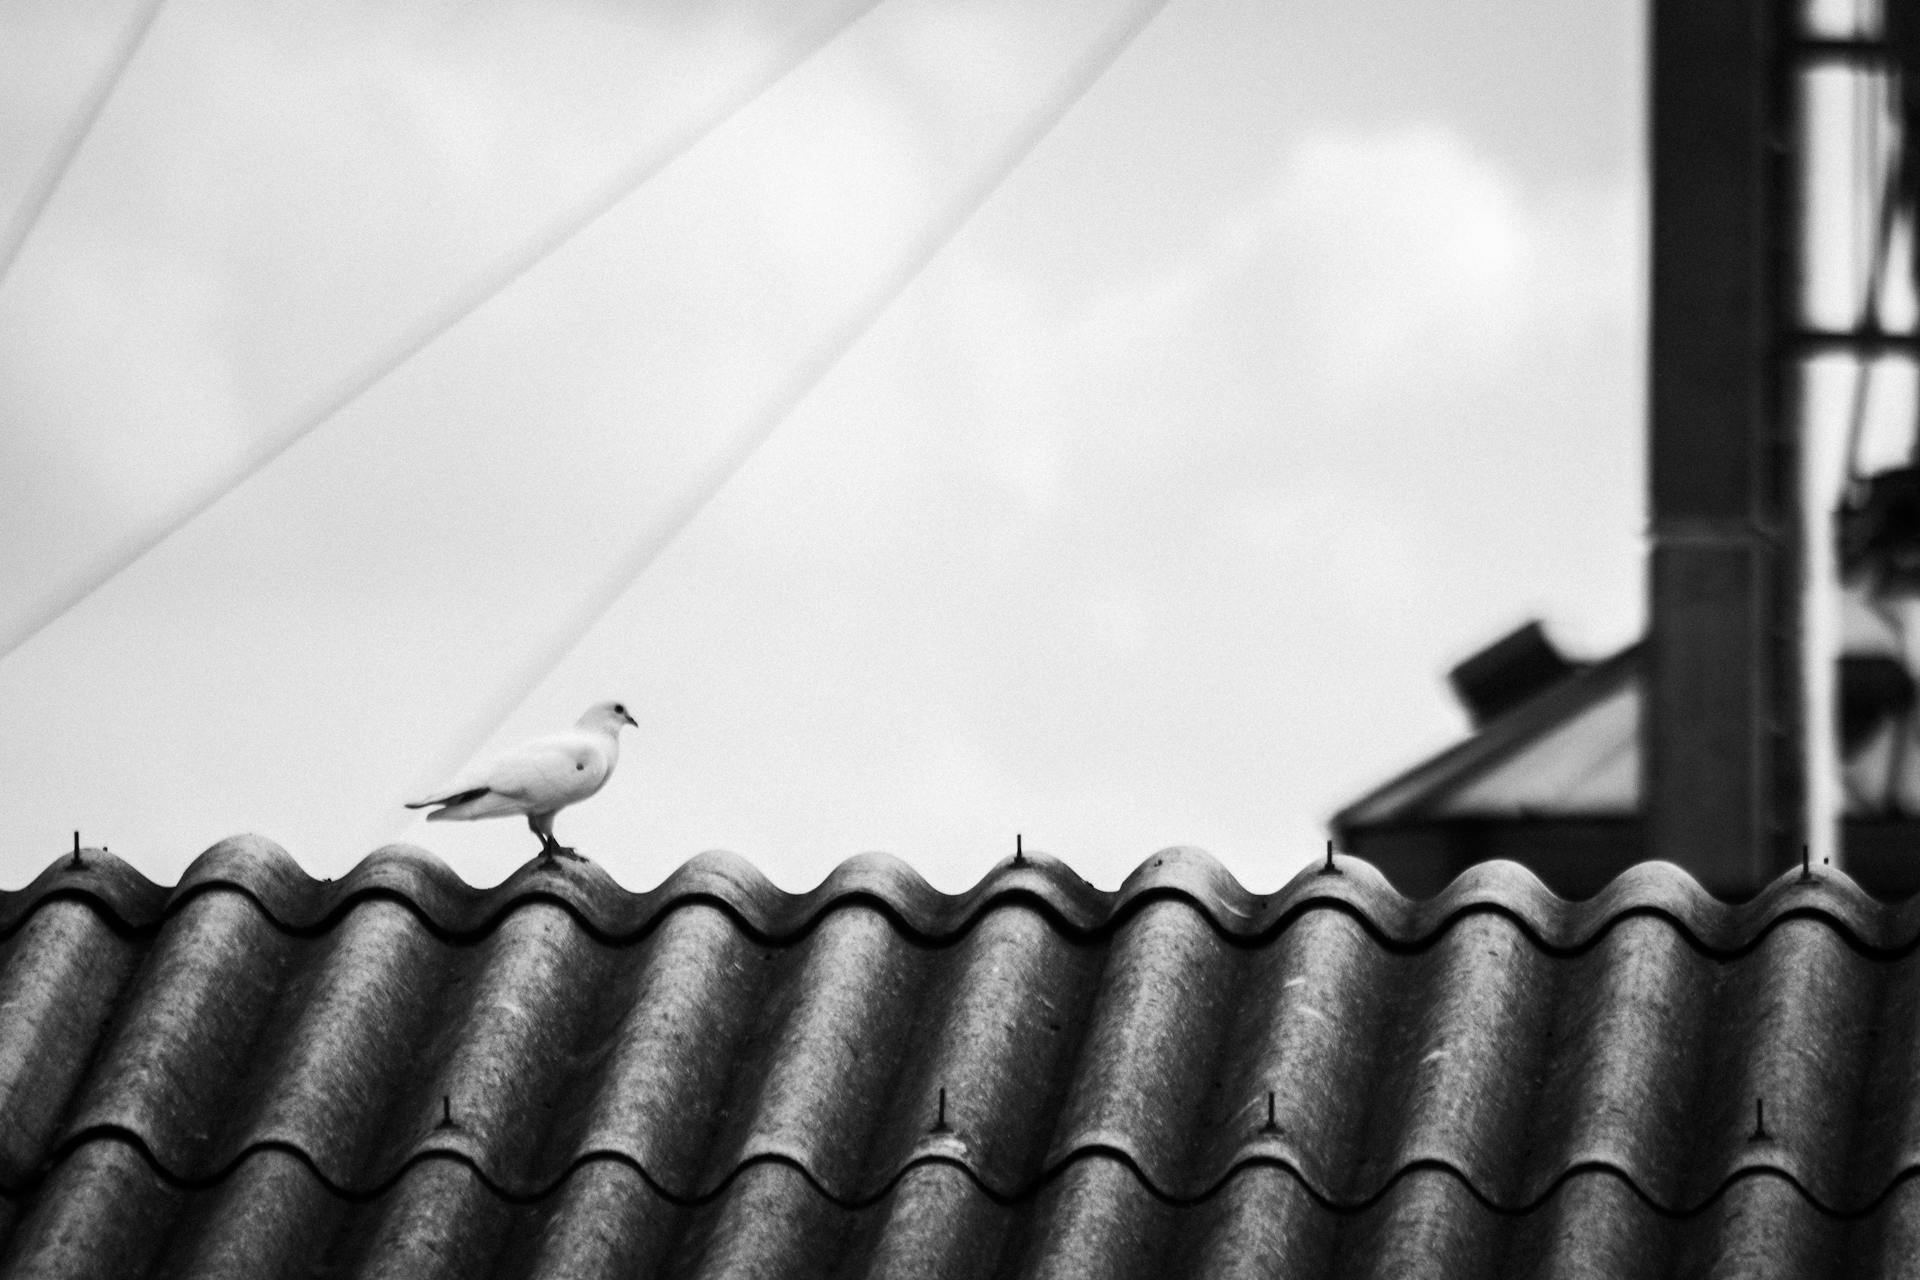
(538,778)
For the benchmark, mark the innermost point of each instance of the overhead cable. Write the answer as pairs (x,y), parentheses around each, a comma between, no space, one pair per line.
(487,286)
(587,612)
(53,173)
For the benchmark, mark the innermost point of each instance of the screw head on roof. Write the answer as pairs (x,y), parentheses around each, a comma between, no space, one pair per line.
(1019,853)
(940,1124)
(76,850)
(1759,1133)
(1272,1125)
(446,1113)
(1330,869)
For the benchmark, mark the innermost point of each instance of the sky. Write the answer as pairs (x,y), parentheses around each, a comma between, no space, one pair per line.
(920,469)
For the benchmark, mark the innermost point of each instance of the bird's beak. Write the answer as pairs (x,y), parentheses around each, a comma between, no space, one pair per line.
(630,720)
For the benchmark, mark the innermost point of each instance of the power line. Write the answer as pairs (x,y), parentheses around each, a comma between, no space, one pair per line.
(489,285)
(40,194)
(1081,77)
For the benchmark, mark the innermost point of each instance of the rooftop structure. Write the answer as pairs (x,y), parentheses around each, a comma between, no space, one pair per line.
(1552,773)
(396,1074)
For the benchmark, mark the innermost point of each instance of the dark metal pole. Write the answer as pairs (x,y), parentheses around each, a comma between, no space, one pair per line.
(1724,777)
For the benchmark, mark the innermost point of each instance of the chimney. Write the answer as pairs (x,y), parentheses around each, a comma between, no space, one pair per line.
(1508,672)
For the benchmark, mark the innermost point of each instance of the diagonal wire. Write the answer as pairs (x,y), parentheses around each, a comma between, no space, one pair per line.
(1080,78)
(40,194)
(488,285)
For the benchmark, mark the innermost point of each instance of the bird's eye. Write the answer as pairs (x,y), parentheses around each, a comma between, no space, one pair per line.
(619,710)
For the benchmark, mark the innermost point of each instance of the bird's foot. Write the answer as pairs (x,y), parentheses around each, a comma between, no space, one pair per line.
(553,851)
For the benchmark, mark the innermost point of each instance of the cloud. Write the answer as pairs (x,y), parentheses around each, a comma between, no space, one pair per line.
(510,466)
(1163,543)
(272,201)
(1177,557)
(1404,248)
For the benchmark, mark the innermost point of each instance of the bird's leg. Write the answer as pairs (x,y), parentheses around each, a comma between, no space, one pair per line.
(547,842)
(551,850)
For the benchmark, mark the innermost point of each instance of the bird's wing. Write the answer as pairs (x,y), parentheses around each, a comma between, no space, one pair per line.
(549,773)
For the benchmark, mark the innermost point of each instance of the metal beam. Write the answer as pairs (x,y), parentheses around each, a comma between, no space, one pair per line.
(1724,778)
(1866,344)
(1866,54)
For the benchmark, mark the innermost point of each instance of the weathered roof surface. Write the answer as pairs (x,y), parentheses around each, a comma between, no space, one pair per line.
(396,1074)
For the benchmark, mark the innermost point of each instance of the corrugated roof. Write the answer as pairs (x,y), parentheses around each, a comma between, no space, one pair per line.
(396,1074)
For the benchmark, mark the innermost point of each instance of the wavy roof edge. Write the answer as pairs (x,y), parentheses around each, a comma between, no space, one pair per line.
(265,872)
(954,1161)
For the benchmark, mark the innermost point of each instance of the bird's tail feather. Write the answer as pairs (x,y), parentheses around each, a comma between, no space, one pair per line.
(450,797)
(484,803)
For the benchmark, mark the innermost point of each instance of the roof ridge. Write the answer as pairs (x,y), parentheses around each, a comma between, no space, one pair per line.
(454,911)
(1029,1191)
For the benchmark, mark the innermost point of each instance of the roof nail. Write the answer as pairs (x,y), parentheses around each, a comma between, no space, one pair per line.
(940,1122)
(1019,853)
(446,1113)
(1329,869)
(1759,1133)
(1271,1126)
(76,850)
(1806,863)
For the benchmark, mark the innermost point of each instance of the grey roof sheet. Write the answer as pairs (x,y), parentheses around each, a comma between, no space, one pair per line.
(398,1074)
